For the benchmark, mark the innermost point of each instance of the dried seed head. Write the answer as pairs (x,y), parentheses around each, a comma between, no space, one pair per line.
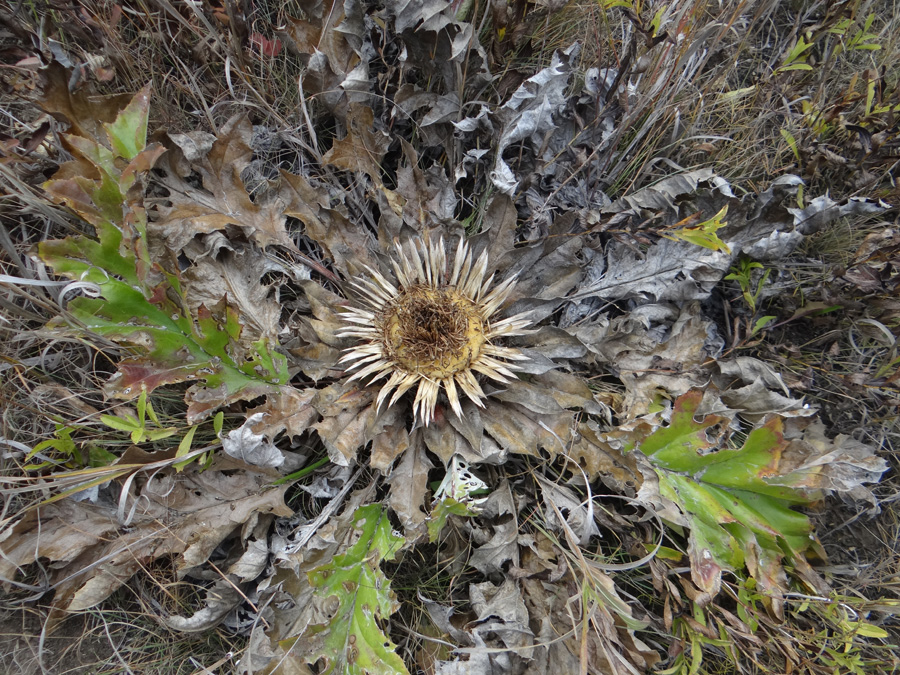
(434,330)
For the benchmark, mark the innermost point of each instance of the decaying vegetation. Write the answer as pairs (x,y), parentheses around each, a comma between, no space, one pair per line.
(466,337)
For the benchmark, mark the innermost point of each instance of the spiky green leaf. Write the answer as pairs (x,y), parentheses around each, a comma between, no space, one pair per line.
(736,500)
(168,343)
(352,642)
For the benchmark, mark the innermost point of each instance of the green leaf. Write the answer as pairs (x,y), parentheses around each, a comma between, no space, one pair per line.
(867,629)
(761,323)
(63,443)
(159,434)
(128,133)
(218,422)
(184,447)
(352,642)
(792,143)
(98,456)
(442,510)
(795,66)
(120,423)
(735,500)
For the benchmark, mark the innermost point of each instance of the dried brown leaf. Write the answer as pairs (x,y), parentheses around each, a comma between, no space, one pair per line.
(363,147)
(346,415)
(288,410)
(521,431)
(85,113)
(389,437)
(186,514)
(347,246)
(223,200)
(236,274)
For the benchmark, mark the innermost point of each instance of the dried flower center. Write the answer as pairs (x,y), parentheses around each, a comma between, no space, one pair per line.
(435,332)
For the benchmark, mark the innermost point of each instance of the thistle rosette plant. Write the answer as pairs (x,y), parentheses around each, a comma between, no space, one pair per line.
(556,326)
(458,324)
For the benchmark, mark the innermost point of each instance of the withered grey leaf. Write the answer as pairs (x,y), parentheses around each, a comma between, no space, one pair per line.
(203,400)
(841,465)
(556,271)
(537,363)
(186,515)
(554,343)
(669,271)
(529,114)
(748,370)
(660,196)
(502,612)
(602,457)
(358,84)
(220,599)
(253,448)
(667,356)
(316,359)
(252,562)
(430,199)
(501,525)
(470,160)
(444,441)
(344,434)
(323,80)
(823,210)
(577,512)
(569,391)
(417,18)
(409,484)
(480,121)
(498,234)
(756,399)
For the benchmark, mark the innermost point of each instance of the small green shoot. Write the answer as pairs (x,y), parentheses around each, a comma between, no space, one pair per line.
(751,290)
(704,234)
(73,456)
(792,143)
(137,426)
(301,473)
(798,56)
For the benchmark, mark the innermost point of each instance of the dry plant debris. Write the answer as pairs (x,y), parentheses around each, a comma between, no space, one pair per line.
(449,324)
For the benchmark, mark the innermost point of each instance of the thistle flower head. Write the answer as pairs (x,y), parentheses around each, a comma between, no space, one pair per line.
(436,328)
